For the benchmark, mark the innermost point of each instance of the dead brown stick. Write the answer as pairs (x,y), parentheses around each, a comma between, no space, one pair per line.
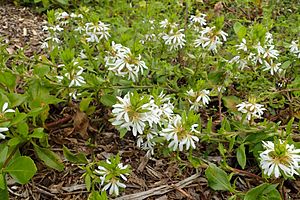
(160,190)
(58,122)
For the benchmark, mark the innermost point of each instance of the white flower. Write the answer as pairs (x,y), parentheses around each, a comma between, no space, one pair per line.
(278,159)
(111,174)
(272,67)
(175,40)
(5,110)
(132,117)
(148,144)
(97,31)
(198,99)
(76,78)
(210,38)
(164,23)
(123,63)
(243,45)
(251,108)
(56,28)
(269,38)
(242,63)
(113,187)
(2,130)
(271,52)
(179,136)
(294,47)
(260,49)
(200,19)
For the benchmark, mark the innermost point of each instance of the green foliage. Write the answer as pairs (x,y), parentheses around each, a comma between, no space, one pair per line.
(76,72)
(218,179)
(264,191)
(21,169)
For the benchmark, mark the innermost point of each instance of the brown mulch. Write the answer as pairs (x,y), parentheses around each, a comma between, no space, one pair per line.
(21,28)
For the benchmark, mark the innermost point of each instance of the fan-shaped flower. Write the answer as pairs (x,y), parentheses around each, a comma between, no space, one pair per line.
(279,158)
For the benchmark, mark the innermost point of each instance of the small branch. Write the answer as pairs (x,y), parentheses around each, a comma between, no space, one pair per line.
(161,189)
(59,121)
(238,171)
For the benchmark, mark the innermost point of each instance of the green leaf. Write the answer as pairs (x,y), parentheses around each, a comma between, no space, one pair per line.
(84,104)
(3,153)
(88,181)
(231,102)
(108,100)
(241,156)
(23,129)
(2,182)
(41,70)
(264,191)
(14,141)
(49,157)
(75,158)
(18,118)
(217,178)
(22,169)
(38,133)
(289,126)
(96,196)
(63,2)
(239,30)
(8,79)
(4,192)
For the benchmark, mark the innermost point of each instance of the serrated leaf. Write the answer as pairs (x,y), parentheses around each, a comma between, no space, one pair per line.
(264,191)
(49,157)
(241,156)
(22,169)
(217,178)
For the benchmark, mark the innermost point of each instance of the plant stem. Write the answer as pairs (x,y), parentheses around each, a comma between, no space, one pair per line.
(10,156)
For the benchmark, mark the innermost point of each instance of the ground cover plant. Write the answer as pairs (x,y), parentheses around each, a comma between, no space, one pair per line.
(211,88)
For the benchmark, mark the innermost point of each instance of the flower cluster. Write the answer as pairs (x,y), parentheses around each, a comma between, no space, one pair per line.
(175,39)
(210,38)
(198,20)
(172,36)
(123,63)
(149,117)
(181,132)
(111,173)
(96,31)
(251,109)
(198,99)
(294,48)
(73,76)
(4,110)
(263,54)
(279,158)
(135,112)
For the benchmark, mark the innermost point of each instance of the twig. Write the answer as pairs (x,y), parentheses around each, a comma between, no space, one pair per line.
(238,171)
(184,193)
(160,190)
(57,122)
